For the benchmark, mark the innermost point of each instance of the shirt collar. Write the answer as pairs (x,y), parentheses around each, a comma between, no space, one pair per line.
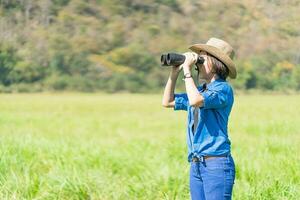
(202,87)
(206,85)
(215,81)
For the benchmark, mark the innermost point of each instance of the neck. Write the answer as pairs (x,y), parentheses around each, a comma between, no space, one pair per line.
(211,78)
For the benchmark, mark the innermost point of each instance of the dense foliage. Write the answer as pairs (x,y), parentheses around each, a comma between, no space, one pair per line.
(115,45)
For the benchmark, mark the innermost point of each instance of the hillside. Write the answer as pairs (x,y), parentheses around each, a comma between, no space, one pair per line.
(113,45)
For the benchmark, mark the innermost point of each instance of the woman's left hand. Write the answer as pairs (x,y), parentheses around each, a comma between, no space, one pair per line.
(190,60)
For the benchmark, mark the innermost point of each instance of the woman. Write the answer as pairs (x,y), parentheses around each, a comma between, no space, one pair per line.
(212,168)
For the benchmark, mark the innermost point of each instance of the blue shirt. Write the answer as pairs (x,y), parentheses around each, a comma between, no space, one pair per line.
(211,134)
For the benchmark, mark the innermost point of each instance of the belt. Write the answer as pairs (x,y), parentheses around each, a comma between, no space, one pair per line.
(202,158)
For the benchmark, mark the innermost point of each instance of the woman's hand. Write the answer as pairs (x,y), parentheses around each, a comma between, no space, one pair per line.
(190,60)
(177,69)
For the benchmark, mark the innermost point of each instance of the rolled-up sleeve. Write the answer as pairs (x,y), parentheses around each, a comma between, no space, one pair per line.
(215,97)
(181,101)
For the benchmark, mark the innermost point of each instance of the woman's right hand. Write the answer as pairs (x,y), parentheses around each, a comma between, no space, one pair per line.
(176,69)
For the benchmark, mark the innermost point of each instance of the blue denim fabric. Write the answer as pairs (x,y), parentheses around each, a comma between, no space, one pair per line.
(212,179)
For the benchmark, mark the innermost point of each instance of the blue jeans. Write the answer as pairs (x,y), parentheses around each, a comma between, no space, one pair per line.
(212,179)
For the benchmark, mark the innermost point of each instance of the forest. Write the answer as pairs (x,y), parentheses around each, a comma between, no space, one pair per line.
(115,45)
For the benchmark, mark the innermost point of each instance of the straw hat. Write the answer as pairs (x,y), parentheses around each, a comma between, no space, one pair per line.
(219,49)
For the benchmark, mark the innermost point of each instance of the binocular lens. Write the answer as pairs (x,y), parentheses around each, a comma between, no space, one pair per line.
(163,60)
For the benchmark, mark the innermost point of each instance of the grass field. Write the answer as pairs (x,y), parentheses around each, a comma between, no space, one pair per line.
(127,146)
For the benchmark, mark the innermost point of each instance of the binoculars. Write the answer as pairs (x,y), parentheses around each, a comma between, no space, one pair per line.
(175,59)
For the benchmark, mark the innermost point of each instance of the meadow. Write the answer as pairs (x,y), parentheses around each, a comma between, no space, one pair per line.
(127,146)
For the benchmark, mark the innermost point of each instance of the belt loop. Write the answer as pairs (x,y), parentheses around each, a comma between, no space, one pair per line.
(201,158)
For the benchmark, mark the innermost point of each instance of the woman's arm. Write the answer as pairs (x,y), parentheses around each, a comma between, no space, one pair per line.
(168,97)
(195,98)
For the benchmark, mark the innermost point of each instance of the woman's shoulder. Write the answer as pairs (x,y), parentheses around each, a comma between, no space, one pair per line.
(222,85)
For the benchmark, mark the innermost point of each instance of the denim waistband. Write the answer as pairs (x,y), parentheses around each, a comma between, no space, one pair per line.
(202,158)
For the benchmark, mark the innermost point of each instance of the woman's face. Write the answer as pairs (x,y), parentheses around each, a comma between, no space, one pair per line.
(206,68)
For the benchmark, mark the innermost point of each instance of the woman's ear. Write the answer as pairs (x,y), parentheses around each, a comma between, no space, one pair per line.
(209,64)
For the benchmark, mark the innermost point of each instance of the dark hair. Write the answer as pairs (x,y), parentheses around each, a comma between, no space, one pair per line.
(219,67)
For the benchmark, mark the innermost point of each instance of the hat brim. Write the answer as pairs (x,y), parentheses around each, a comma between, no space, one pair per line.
(218,54)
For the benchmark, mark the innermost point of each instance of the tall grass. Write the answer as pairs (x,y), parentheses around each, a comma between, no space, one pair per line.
(127,146)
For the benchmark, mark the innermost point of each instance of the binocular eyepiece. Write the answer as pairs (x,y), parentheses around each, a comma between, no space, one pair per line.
(175,59)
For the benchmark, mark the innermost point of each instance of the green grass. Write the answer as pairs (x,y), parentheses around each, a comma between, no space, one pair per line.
(127,146)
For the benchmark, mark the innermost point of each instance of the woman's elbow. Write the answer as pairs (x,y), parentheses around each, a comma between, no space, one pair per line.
(168,104)
(165,105)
